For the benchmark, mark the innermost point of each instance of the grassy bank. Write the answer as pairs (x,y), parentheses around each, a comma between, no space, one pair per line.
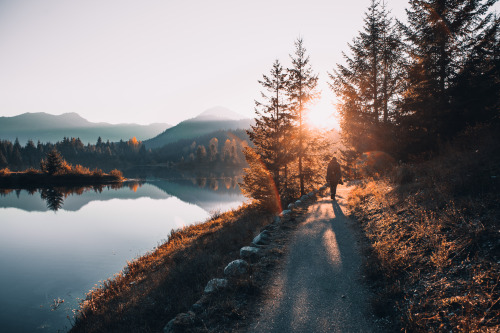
(434,235)
(35,178)
(159,285)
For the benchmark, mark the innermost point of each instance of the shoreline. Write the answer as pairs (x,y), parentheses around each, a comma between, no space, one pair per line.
(25,180)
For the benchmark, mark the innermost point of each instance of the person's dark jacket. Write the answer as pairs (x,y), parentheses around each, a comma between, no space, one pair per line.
(333,173)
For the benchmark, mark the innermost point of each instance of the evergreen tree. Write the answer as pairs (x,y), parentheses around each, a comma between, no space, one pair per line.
(272,121)
(3,160)
(301,90)
(53,164)
(369,84)
(213,148)
(201,154)
(440,35)
(476,90)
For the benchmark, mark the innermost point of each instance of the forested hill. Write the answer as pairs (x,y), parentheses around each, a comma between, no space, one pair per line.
(202,125)
(46,127)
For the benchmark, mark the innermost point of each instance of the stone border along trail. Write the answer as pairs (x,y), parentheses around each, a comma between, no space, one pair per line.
(317,288)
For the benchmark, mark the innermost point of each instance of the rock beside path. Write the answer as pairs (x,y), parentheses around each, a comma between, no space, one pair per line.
(215,284)
(236,268)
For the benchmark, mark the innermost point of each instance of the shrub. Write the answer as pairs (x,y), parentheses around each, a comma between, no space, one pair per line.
(116,173)
(4,171)
(32,171)
(81,170)
(258,183)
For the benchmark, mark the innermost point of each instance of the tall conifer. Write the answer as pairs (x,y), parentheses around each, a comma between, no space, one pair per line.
(302,91)
(272,122)
(440,35)
(369,84)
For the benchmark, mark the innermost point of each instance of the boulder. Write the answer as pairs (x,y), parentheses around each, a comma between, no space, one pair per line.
(261,239)
(291,206)
(197,308)
(236,268)
(286,212)
(304,197)
(298,202)
(276,219)
(180,322)
(215,284)
(248,252)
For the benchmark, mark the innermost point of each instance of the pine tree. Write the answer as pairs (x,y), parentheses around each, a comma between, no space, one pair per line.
(273,118)
(369,84)
(476,90)
(301,91)
(53,164)
(440,35)
(3,160)
(201,154)
(213,148)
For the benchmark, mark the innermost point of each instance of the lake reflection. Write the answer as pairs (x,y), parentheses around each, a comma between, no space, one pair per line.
(56,244)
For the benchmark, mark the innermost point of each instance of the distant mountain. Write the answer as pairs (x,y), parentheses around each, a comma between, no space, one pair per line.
(51,128)
(218,113)
(212,120)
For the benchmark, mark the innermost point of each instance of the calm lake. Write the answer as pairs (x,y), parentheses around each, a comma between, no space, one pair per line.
(57,244)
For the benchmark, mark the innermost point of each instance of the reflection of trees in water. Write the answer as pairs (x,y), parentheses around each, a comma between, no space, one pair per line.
(53,197)
(214,182)
(201,182)
(227,183)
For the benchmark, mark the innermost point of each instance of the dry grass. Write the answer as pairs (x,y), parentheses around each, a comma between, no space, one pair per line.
(157,286)
(4,171)
(435,249)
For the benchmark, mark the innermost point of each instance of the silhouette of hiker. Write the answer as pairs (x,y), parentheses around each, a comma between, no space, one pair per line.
(333,176)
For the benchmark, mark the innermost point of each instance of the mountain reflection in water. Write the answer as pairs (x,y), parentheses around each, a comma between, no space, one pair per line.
(207,192)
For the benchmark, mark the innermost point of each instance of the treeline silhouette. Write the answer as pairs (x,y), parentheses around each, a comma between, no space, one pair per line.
(222,148)
(406,88)
(106,155)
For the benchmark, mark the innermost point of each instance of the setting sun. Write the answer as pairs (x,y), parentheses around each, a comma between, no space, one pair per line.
(323,115)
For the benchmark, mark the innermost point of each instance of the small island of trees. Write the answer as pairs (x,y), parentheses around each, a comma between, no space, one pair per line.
(54,170)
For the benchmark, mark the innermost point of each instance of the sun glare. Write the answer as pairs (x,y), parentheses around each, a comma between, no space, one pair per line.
(321,116)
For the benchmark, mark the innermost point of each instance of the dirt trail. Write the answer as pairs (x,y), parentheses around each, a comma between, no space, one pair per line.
(318,287)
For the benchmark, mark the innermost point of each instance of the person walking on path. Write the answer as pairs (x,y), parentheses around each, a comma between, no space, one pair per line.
(333,176)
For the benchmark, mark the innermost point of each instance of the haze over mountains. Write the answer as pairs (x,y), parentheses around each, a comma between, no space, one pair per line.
(45,127)
(51,128)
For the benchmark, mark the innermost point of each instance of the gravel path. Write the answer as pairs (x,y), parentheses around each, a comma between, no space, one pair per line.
(318,289)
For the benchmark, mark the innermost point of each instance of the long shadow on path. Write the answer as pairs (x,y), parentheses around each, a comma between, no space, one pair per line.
(318,289)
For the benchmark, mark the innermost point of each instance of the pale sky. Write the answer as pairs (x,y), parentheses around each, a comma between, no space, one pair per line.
(148,61)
